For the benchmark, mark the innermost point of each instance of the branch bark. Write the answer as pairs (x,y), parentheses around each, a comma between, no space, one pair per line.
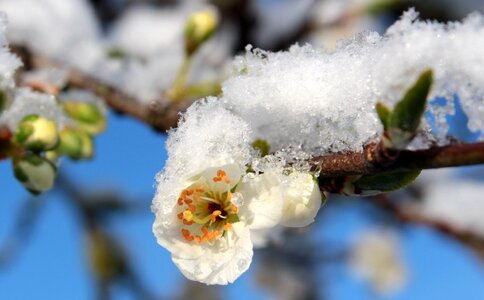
(159,113)
(375,160)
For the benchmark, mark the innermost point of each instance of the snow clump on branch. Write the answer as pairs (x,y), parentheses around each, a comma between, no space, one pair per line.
(325,102)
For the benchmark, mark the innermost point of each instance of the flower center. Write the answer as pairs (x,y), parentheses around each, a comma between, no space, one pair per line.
(209,213)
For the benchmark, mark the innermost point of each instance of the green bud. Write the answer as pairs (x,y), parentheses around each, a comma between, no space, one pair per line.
(51,155)
(407,114)
(36,133)
(76,144)
(262,146)
(35,173)
(87,116)
(199,28)
(384,114)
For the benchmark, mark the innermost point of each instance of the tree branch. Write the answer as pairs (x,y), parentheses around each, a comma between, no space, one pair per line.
(375,159)
(159,113)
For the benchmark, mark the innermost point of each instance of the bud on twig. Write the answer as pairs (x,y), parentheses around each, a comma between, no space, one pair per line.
(35,173)
(36,133)
(76,144)
(199,28)
(87,116)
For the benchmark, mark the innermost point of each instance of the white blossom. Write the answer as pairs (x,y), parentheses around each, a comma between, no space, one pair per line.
(375,257)
(208,229)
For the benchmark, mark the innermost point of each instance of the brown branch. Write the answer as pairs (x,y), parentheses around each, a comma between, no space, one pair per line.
(159,114)
(408,215)
(375,159)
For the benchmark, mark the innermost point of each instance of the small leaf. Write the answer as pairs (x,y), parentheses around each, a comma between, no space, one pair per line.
(408,113)
(262,146)
(384,113)
(386,182)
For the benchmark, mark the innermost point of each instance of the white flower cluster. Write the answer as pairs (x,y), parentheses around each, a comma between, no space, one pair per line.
(217,195)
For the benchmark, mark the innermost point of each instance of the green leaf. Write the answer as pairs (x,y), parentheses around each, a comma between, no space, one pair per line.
(384,113)
(408,113)
(386,182)
(262,146)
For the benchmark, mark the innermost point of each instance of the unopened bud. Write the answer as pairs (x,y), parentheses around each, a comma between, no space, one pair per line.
(199,28)
(87,116)
(76,144)
(36,133)
(35,173)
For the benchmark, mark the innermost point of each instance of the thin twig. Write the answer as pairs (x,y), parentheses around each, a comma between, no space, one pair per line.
(158,113)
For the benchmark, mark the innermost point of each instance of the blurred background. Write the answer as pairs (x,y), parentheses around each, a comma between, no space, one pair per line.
(91,237)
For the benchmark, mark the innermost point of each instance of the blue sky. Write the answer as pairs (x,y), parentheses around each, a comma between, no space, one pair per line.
(53,263)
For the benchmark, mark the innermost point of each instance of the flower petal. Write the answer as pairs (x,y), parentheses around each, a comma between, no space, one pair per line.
(233,174)
(222,262)
(262,196)
(302,200)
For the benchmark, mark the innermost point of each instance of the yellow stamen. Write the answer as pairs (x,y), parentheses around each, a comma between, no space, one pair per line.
(188,215)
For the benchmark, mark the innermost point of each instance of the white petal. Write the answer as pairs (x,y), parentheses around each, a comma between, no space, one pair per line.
(220,263)
(168,235)
(302,200)
(262,196)
(232,171)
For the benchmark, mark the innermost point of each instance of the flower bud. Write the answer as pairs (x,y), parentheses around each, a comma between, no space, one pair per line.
(76,144)
(199,28)
(302,200)
(35,173)
(36,133)
(86,116)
